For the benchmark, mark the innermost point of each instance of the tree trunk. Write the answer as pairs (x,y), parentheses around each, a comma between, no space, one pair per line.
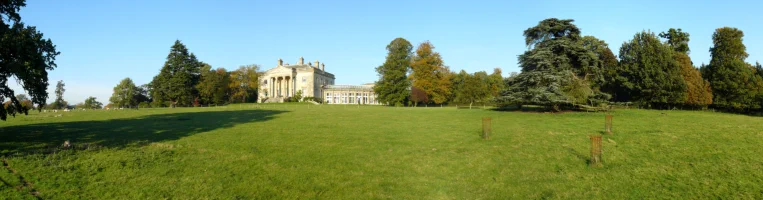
(470,105)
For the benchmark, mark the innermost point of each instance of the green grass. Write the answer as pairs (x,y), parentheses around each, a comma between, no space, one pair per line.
(300,151)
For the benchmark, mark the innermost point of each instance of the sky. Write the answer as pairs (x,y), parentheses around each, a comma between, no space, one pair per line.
(103,42)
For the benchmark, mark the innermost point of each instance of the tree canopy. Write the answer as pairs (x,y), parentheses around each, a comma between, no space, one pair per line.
(125,94)
(24,54)
(677,39)
(175,84)
(429,74)
(557,64)
(393,86)
(244,83)
(92,103)
(59,103)
(214,85)
(734,82)
(651,74)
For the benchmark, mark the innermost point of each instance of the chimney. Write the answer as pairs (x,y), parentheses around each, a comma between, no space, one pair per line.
(301,61)
(280,62)
(323,67)
(317,64)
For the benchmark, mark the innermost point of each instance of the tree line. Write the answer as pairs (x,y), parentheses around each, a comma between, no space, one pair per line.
(185,81)
(410,77)
(563,69)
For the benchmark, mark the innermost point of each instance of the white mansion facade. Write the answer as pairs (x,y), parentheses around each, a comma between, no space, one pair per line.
(284,81)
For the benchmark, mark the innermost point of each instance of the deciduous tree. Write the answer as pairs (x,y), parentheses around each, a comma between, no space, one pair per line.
(125,94)
(59,103)
(24,54)
(214,85)
(733,81)
(244,83)
(472,88)
(92,103)
(653,77)
(418,96)
(429,74)
(677,39)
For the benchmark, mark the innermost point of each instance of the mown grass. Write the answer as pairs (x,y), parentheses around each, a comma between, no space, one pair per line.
(298,151)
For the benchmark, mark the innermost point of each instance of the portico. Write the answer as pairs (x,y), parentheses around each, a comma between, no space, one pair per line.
(282,86)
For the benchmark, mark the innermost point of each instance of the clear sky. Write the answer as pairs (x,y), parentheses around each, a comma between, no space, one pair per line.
(102,42)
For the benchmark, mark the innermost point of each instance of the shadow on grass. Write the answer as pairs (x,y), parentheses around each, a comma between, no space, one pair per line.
(579,155)
(39,138)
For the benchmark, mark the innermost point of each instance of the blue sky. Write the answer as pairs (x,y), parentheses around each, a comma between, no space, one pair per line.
(102,42)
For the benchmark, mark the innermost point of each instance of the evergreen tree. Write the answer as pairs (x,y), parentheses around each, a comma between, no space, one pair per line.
(175,84)
(734,82)
(558,63)
(653,77)
(393,86)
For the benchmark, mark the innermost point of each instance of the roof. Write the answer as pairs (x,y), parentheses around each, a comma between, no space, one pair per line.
(346,87)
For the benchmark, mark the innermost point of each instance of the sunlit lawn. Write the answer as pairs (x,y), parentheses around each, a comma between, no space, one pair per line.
(299,151)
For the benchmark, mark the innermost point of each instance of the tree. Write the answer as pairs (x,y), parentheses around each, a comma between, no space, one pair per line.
(429,74)
(473,88)
(677,39)
(59,103)
(733,81)
(495,83)
(652,75)
(558,56)
(176,81)
(24,54)
(92,103)
(698,92)
(244,83)
(539,88)
(418,96)
(393,87)
(26,103)
(607,64)
(125,94)
(213,87)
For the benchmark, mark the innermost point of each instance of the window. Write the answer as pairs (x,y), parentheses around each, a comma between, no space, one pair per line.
(304,79)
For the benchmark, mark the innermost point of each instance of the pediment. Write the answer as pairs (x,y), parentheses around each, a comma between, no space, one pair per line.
(279,70)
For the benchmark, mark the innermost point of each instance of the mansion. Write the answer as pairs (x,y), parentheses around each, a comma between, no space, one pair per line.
(311,80)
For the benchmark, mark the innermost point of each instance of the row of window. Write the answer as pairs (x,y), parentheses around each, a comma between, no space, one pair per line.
(344,97)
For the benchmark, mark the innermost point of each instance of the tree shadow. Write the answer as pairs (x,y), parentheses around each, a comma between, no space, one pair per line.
(41,138)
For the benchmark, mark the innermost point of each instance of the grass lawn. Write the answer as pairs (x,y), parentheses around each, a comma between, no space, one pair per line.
(296,151)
